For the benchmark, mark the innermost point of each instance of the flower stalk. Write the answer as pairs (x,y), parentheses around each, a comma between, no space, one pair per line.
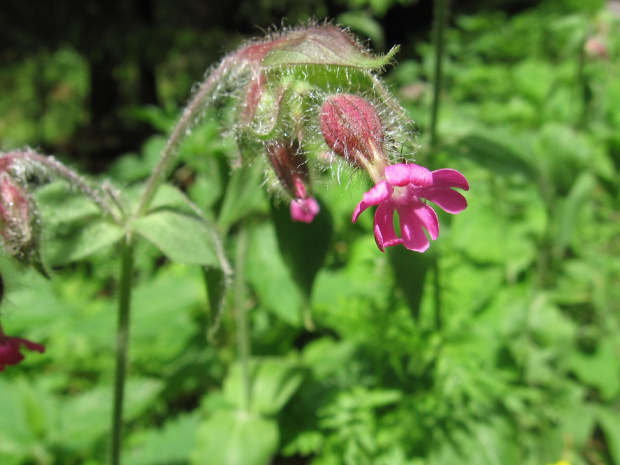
(122,345)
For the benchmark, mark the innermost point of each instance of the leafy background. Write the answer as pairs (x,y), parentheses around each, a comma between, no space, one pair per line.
(500,345)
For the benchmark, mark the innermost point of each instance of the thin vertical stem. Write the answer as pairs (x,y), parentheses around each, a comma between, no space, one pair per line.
(122,344)
(241,319)
(440,15)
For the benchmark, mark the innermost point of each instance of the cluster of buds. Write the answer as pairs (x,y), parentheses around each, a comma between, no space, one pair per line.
(314,90)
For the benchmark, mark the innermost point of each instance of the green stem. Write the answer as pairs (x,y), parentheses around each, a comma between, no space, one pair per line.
(440,15)
(189,117)
(437,290)
(122,344)
(241,319)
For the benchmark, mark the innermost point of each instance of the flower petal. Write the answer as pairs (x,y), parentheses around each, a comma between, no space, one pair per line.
(304,210)
(374,196)
(412,222)
(447,177)
(31,345)
(385,235)
(402,174)
(448,199)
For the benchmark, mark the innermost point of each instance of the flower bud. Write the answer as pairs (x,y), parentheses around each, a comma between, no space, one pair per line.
(291,168)
(352,128)
(15,216)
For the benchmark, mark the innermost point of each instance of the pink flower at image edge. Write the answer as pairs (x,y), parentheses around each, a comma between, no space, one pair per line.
(402,190)
(10,350)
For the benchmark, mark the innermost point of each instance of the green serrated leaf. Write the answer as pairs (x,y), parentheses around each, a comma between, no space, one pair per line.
(181,238)
(235,438)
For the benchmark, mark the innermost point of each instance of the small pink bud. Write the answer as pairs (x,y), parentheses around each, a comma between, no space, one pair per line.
(595,48)
(352,129)
(291,167)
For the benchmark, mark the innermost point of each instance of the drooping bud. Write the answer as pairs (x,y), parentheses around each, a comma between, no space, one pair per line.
(291,168)
(352,128)
(15,216)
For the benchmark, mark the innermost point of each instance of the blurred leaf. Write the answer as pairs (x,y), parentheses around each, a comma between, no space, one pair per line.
(303,246)
(270,277)
(80,240)
(169,445)
(230,437)
(570,210)
(494,155)
(183,239)
(243,196)
(273,380)
(74,227)
(170,197)
(609,419)
(364,24)
(600,370)
(410,272)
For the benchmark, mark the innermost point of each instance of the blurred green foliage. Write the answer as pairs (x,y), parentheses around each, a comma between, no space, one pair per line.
(524,368)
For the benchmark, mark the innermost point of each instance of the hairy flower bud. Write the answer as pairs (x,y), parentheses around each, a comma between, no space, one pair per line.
(15,216)
(352,128)
(291,169)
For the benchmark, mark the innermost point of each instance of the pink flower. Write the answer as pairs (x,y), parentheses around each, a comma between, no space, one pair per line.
(10,349)
(401,190)
(291,167)
(304,209)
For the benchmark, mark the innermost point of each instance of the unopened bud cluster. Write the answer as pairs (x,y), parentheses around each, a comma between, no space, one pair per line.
(313,91)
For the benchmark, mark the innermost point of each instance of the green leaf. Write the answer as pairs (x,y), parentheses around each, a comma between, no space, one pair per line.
(170,444)
(235,438)
(570,209)
(600,370)
(410,272)
(270,278)
(323,45)
(74,227)
(243,196)
(610,424)
(494,155)
(170,197)
(303,246)
(76,241)
(181,238)
(273,380)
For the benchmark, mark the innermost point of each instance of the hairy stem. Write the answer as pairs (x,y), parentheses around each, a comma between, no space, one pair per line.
(191,113)
(68,175)
(241,318)
(122,344)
